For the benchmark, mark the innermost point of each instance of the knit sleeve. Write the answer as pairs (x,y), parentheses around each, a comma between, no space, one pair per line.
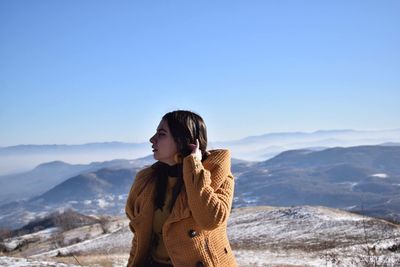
(130,211)
(133,246)
(210,206)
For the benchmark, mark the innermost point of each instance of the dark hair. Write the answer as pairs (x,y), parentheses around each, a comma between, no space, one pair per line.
(185,127)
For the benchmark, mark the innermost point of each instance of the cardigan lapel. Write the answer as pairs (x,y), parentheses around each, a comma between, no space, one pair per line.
(180,210)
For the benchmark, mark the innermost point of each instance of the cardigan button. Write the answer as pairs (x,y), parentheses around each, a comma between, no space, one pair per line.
(192,233)
(200,264)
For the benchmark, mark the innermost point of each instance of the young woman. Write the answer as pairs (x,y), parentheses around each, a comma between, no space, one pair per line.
(179,207)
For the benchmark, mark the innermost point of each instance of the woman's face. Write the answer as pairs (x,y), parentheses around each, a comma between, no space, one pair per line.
(164,146)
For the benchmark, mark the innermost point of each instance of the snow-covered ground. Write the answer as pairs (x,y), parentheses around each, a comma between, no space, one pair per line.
(311,236)
(23,262)
(260,236)
(11,244)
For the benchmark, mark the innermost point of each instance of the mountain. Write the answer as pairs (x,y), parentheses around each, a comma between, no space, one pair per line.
(37,149)
(379,158)
(89,185)
(25,185)
(40,179)
(22,158)
(100,192)
(390,144)
(364,179)
(266,146)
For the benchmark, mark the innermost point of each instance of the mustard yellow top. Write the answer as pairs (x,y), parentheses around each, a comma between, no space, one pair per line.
(158,251)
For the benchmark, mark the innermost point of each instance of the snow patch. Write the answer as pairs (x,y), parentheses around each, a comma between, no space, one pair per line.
(87,202)
(23,262)
(380,175)
(102,203)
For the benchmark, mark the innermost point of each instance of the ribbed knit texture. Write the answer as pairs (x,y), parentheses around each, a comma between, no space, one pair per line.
(195,231)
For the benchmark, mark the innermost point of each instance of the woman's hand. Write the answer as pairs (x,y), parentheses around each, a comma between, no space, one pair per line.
(196,150)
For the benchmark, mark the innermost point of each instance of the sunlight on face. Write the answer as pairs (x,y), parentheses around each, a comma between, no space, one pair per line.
(164,146)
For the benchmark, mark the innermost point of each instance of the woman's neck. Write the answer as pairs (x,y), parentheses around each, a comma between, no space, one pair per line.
(173,170)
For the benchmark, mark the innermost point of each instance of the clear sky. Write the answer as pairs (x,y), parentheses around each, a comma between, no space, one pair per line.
(73,72)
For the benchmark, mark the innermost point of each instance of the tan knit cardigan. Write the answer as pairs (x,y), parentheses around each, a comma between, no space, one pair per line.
(195,232)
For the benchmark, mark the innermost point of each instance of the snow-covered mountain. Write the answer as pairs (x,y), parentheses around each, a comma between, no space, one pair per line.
(260,236)
(101,192)
(364,179)
(26,185)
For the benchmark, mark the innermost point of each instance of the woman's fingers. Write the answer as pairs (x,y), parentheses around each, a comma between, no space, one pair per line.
(196,149)
(196,146)
(192,147)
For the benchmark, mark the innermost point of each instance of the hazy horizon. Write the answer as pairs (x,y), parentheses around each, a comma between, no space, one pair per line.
(210,141)
(251,148)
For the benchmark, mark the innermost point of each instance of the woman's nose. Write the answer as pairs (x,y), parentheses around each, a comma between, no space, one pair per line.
(151,139)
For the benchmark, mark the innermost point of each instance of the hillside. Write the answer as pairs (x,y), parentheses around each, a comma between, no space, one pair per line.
(260,236)
(25,185)
(365,179)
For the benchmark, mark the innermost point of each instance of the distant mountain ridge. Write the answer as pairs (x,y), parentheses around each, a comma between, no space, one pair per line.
(62,147)
(385,158)
(266,146)
(22,158)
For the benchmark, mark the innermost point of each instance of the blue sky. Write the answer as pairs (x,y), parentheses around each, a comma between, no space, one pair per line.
(73,72)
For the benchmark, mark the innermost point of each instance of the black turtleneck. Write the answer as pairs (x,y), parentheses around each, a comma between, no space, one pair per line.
(163,172)
(172,171)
